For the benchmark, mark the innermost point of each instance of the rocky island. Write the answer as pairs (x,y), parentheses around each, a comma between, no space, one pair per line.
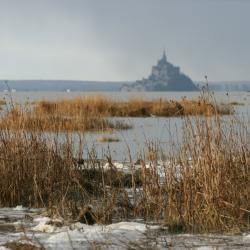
(164,77)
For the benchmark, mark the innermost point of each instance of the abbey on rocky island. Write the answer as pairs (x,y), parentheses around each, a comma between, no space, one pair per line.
(164,77)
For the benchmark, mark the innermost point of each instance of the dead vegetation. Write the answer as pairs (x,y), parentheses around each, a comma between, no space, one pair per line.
(205,186)
(212,193)
(94,112)
(108,139)
(209,193)
(136,107)
(19,118)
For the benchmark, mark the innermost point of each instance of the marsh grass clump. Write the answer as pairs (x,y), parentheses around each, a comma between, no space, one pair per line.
(94,113)
(211,193)
(136,107)
(18,118)
(40,172)
(237,103)
(108,139)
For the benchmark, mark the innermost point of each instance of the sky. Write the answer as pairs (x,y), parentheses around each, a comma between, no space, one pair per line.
(120,40)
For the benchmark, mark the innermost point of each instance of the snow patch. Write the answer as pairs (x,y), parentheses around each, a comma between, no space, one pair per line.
(118,233)
(42,220)
(205,248)
(4,248)
(127,226)
(20,208)
(43,226)
(247,237)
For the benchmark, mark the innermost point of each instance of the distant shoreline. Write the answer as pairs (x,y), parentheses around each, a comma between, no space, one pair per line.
(107,86)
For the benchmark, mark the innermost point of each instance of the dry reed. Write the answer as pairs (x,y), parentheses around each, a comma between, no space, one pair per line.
(205,186)
(93,112)
(212,190)
(18,118)
(136,107)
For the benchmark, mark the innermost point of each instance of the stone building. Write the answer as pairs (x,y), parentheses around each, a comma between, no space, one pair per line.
(164,77)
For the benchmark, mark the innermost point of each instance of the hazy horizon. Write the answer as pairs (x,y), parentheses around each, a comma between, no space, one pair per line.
(117,40)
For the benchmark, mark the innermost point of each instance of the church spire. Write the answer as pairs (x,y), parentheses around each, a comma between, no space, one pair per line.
(164,57)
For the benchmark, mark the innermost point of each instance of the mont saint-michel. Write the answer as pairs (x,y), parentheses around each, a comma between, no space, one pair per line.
(164,77)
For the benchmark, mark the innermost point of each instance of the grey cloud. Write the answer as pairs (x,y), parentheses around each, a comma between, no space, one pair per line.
(120,40)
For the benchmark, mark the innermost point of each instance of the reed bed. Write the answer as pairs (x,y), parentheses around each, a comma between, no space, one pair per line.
(30,120)
(204,186)
(136,107)
(93,113)
(211,193)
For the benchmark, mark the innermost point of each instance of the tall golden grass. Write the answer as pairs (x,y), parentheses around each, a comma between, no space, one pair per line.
(212,193)
(205,187)
(93,113)
(30,120)
(136,107)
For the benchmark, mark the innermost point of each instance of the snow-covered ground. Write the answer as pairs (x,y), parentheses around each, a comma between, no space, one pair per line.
(29,226)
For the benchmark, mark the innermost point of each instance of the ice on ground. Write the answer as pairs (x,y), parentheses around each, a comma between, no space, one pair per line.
(75,237)
(205,248)
(118,234)
(42,220)
(47,225)
(127,226)
(123,235)
(20,208)
(3,248)
(247,238)
(78,233)
(45,228)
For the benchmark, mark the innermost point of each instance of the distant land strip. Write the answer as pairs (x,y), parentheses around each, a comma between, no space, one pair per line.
(113,86)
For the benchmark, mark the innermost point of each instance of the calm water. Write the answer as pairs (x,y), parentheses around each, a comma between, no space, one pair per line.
(146,131)
(34,96)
